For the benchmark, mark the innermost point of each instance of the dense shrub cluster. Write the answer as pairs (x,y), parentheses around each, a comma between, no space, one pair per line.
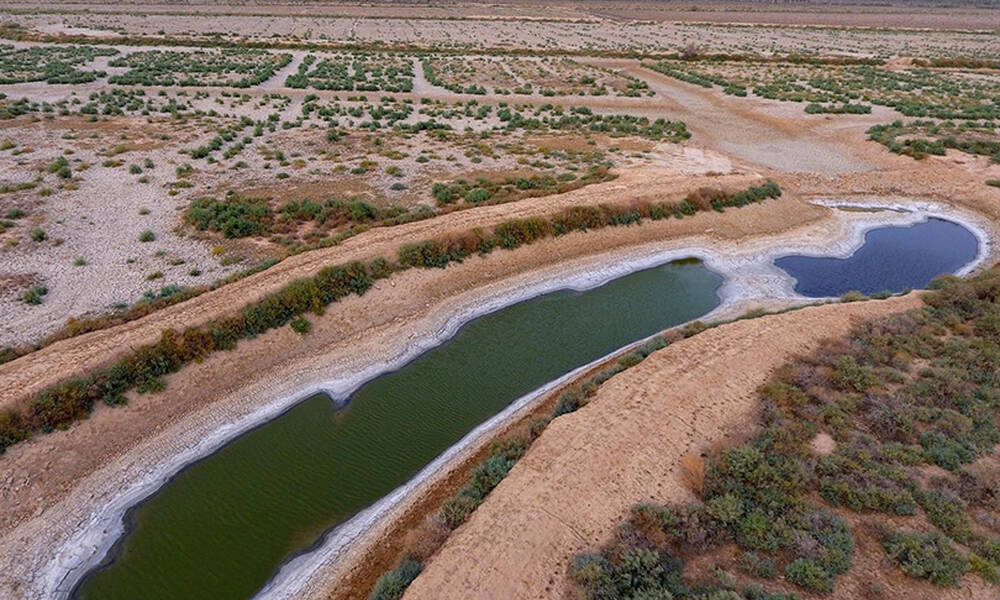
(583,119)
(391,585)
(920,388)
(235,67)
(921,138)
(494,191)
(143,369)
(518,232)
(846,108)
(363,72)
(928,556)
(234,217)
(52,64)
(485,477)
(839,87)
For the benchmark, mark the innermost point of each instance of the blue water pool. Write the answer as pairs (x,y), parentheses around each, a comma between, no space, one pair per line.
(892,259)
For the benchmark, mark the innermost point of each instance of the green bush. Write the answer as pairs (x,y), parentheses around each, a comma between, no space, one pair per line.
(809,574)
(34,295)
(234,217)
(391,585)
(927,556)
(301,325)
(12,429)
(486,476)
(147,236)
(477,195)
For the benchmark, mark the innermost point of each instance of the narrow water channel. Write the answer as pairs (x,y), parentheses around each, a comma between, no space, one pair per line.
(222,527)
(892,259)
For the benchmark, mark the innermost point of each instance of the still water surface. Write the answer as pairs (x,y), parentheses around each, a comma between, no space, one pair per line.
(892,259)
(222,527)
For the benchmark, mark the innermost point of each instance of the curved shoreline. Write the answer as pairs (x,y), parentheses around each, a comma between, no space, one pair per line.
(302,576)
(749,277)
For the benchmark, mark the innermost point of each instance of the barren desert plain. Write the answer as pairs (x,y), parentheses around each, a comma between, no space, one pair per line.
(583,300)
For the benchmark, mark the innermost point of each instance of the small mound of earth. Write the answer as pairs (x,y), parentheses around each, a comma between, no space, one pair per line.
(823,444)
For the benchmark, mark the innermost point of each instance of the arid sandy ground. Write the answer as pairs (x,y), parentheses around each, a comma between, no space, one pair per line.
(53,485)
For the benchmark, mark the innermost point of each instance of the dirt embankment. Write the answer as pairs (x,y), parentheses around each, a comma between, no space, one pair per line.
(37,370)
(351,335)
(52,485)
(580,478)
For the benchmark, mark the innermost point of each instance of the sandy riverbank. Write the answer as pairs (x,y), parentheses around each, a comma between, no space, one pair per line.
(137,471)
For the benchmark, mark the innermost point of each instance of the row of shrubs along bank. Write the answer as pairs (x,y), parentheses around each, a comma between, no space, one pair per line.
(238,216)
(143,369)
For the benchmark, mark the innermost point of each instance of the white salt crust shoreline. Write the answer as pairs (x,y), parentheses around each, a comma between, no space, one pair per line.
(307,575)
(76,537)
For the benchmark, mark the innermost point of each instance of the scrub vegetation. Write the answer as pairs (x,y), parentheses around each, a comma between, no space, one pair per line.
(51,64)
(921,138)
(548,76)
(911,403)
(143,369)
(235,67)
(362,72)
(844,85)
(495,191)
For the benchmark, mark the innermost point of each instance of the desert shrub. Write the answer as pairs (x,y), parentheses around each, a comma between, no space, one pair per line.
(486,476)
(429,253)
(757,566)
(984,568)
(234,217)
(443,193)
(569,401)
(60,405)
(381,268)
(477,195)
(926,556)
(301,325)
(147,236)
(809,574)
(12,429)
(34,295)
(391,585)
(518,232)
